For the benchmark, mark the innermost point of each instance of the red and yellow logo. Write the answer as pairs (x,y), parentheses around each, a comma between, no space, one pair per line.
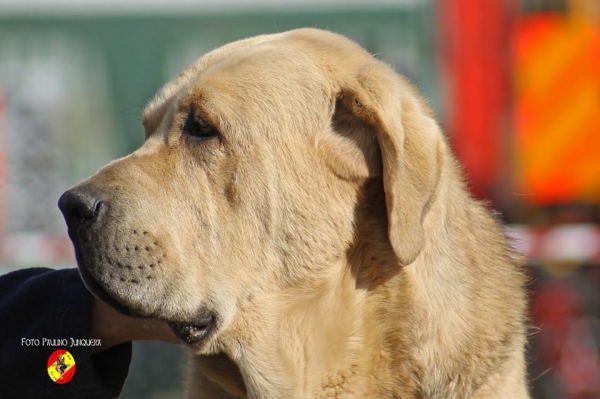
(61,366)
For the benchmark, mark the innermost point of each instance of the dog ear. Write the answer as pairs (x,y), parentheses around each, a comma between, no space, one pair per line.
(411,146)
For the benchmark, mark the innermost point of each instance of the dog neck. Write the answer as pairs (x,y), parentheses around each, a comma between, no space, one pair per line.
(327,341)
(331,336)
(324,343)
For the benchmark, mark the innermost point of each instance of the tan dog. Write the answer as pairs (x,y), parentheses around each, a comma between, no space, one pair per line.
(296,215)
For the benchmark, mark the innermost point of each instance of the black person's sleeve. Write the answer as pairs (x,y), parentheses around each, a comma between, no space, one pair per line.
(38,304)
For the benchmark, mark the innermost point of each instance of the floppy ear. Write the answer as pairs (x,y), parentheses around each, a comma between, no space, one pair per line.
(411,148)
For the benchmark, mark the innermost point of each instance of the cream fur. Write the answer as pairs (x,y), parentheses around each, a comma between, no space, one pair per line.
(329,229)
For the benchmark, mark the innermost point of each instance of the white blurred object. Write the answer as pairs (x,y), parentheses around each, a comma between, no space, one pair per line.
(28,249)
(568,242)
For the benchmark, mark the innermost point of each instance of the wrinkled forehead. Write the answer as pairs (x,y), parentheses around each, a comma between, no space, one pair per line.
(267,75)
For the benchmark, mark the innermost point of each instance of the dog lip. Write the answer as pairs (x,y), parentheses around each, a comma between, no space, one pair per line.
(96,289)
(195,332)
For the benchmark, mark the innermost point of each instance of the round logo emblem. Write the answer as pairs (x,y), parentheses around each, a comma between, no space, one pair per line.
(61,366)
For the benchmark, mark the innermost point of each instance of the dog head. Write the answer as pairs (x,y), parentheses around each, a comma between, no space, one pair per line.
(263,162)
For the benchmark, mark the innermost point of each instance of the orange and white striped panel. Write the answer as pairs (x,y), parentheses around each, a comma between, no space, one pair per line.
(556,64)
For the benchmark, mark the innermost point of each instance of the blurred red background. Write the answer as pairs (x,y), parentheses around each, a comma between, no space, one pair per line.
(523,100)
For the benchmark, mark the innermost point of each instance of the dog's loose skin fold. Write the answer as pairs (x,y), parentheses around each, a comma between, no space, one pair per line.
(329,230)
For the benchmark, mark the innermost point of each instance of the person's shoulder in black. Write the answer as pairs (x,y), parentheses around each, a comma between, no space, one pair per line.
(41,310)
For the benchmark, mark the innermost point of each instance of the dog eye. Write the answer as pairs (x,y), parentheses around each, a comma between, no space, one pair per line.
(198,127)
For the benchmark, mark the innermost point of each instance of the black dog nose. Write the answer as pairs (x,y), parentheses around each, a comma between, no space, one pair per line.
(79,207)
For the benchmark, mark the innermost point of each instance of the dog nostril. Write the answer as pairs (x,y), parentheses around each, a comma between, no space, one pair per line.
(79,207)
